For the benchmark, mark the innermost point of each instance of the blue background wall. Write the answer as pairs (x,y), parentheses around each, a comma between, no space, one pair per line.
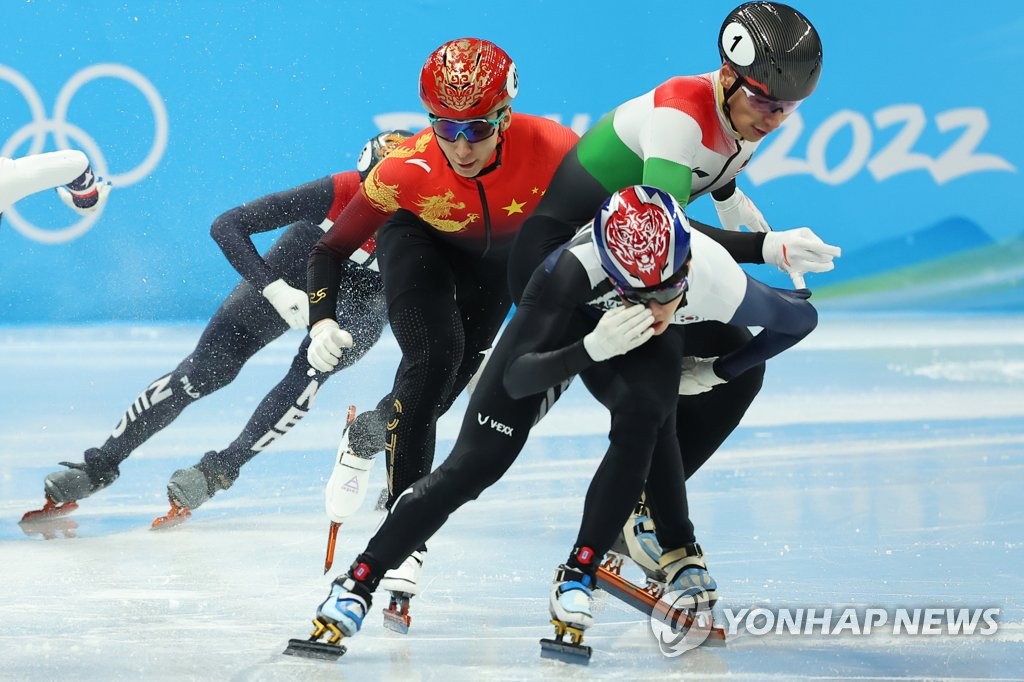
(908,155)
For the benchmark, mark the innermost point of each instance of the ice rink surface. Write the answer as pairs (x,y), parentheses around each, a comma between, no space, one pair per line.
(882,466)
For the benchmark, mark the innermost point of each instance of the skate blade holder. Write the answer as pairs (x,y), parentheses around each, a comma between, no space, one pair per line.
(175,517)
(703,619)
(50,510)
(396,615)
(568,652)
(330,650)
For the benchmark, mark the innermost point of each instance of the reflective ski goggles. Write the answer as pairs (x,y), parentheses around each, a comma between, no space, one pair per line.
(473,129)
(767,105)
(661,295)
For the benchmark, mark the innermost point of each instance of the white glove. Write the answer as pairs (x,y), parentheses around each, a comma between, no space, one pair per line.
(739,210)
(619,331)
(102,190)
(798,251)
(327,340)
(290,303)
(698,376)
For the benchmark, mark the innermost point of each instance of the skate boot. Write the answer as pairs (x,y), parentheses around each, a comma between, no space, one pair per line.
(79,481)
(190,488)
(345,608)
(346,489)
(687,573)
(340,615)
(64,488)
(569,604)
(404,584)
(638,541)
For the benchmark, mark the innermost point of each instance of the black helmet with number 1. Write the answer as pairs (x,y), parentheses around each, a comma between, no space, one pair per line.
(377,148)
(773,48)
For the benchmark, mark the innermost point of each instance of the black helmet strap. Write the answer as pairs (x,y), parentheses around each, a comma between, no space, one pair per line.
(737,83)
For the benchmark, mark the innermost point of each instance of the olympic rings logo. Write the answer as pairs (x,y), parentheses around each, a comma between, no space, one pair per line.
(69,136)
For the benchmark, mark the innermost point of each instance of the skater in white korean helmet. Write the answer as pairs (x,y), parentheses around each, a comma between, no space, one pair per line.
(611,306)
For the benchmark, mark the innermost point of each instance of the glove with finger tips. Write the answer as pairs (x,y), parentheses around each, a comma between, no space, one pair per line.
(698,376)
(290,303)
(619,331)
(327,340)
(799,251)
(738,210)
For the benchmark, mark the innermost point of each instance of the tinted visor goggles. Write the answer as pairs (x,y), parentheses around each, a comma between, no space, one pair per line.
(473,129)
(660,295)
(767,105)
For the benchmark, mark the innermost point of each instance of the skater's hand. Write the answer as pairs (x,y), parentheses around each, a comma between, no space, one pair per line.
(798,251)
(86,205)
(619,331)
(739,210)
(327,341)
(698,376)
(290,303)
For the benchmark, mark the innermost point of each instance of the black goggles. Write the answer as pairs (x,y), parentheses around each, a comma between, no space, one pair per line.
(473,129)
(661,295)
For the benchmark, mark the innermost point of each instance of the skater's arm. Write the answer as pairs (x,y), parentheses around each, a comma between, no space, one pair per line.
(233,229)
(785,316)
(358,222)
(549,354)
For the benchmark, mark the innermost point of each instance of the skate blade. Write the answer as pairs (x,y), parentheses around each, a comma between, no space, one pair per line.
(50,510)
(396,615)
(307,648)
(175,517)
(397,622)
(566,652)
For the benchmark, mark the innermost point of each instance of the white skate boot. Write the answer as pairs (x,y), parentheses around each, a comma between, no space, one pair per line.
(346,488)
(569,604)
(403,583)
(687,573)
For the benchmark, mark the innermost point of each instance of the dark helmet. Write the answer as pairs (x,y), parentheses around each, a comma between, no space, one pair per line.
(773,48)
(642,238)
(377,148)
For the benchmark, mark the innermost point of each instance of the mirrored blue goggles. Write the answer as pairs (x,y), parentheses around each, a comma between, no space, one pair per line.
(660,295)
(473,129)
(767,105)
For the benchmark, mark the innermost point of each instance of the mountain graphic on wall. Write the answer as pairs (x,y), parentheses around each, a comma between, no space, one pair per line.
(953,265)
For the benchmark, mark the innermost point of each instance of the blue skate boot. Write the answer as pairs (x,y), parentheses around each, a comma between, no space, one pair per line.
(637,540)
(569,603)
(686,572)
(340,615)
